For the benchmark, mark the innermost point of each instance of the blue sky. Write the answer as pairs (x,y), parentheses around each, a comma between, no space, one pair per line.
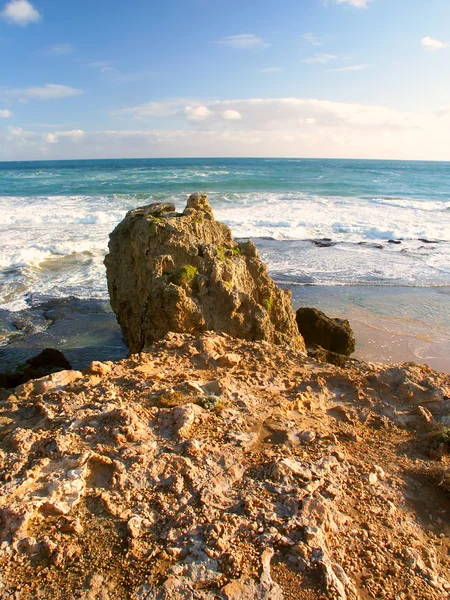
(319,78)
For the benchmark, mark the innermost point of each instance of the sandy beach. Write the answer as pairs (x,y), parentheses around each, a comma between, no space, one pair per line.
(391,324)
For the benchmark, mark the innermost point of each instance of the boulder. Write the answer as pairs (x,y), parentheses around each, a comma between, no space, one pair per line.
(46,362)
(317,329)
(184,272)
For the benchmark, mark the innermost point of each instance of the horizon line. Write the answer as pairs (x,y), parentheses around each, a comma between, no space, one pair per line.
(225,158)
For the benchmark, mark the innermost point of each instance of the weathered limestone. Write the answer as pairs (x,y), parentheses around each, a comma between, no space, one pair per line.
(178,475)
(185,273)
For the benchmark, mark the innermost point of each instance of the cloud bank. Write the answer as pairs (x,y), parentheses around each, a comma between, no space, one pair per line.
(278,127)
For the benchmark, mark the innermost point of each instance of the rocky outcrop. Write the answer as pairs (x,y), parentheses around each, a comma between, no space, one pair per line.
(213,468)
(48,361)
(185,273)
(317,329)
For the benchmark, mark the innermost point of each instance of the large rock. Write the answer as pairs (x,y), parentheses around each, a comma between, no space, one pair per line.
(317,329)
(46,362)
(185,273)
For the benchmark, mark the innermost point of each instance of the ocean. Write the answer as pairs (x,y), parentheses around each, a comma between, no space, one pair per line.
(368,240)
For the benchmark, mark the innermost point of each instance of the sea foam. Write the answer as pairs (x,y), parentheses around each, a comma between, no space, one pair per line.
(55,244)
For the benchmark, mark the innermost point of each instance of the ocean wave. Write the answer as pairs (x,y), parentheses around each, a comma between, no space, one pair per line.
(56,244)
(294,216)
(414,204)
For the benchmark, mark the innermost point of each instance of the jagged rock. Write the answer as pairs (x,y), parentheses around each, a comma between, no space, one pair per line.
(107,492)
(319,330)
(46,362)
(185,273)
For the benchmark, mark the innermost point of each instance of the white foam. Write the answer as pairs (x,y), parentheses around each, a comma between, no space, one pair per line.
(300,216)
(57,243)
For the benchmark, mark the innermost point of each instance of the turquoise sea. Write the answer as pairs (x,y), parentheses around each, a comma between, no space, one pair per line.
(365,239)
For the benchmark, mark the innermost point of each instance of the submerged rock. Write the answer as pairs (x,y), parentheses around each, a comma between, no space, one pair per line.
(317,329)
(185,273)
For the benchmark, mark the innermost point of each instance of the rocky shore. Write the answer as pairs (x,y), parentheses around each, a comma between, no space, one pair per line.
(222,464)
(215,468)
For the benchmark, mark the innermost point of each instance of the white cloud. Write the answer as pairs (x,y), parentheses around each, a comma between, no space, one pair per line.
(102,65)
(350,68)
(312,39)
(355,3)
(320,59)
(243,41)
(75,135)
(5,113)
(49,91)
(231,115)
(152,109)
(432,44)
(197,113)
(59,50)
(272,70)
(20,12)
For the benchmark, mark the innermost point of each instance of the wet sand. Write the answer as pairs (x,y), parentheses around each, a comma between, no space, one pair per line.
(391,324)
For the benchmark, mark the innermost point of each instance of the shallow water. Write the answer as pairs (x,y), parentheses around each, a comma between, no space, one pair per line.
(391,324)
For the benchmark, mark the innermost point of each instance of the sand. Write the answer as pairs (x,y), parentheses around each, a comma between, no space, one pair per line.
(391,324)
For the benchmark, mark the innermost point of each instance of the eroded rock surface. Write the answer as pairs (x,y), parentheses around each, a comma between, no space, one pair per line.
(185,273)
(215,468)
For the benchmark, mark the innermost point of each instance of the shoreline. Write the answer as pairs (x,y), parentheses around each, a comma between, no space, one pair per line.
(390,324)
(86,330)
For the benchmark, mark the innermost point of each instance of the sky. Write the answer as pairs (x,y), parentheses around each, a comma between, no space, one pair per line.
(201,78)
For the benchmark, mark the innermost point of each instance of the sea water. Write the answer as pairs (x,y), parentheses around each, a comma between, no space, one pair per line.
(330,230)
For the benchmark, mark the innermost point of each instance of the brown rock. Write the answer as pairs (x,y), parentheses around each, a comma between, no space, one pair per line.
(48,361)
(185,273)
(98,368)
(326,356)
(318,329)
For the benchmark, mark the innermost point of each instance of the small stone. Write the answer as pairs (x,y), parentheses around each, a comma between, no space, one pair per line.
(307,436)
(229,360)
(98,368)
